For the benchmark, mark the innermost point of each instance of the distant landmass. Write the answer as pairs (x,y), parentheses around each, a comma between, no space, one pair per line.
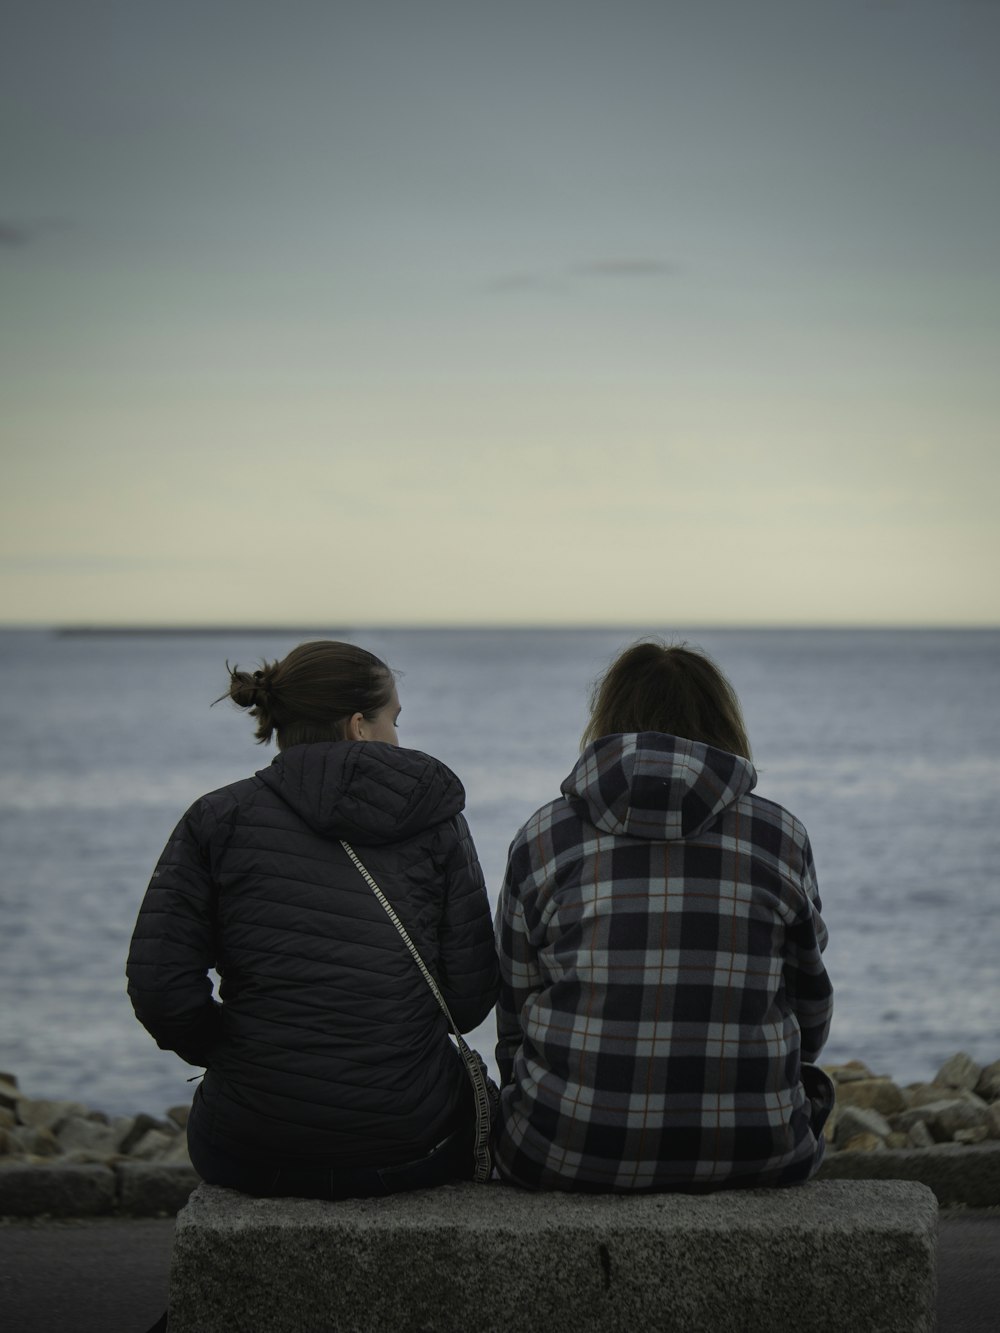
(130,631)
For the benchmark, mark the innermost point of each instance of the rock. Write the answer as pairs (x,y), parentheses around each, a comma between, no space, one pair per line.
(988,1086)
(123,1125)
(141,1125)
(919,1136)
(975,1134)
(179,1115)
(918,1115)
(857,1120)
(849,1072)
(9,1094)
(897,1139)
(944,1118)
(177,1153)
(153,1146)
(867,1119)
(961,1071)
(7,1118)
(127,1133)
(28,1141)
(993,1120)
(922,1094)
(878,1094)
(81,1134)
(45,1114)
(925,1094)
(864,1142)
(961,1116)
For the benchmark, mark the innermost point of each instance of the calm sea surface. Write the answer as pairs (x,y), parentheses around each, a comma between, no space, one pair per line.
(886,743)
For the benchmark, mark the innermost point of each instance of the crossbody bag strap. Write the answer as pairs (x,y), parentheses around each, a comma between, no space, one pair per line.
(481,1150)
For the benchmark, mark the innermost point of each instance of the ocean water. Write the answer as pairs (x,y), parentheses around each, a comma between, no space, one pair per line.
(886,744)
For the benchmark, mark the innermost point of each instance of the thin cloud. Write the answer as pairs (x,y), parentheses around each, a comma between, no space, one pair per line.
(15,234)
(624,268)
(627,269)
(525,282)
(87,563)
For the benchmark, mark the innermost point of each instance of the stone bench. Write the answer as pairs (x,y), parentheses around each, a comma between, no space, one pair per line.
(829,1255)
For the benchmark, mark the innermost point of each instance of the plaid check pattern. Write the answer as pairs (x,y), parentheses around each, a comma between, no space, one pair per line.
(660,945)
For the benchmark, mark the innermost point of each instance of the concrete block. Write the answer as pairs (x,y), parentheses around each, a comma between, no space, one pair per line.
(956,1172)
(151,1189)
(818,1258)
(59,1191)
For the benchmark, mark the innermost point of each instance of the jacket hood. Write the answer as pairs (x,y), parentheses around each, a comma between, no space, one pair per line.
(649,785)
(364,790)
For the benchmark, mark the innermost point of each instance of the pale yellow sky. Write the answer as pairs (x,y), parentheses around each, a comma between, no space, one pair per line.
(436,508)
(647,321)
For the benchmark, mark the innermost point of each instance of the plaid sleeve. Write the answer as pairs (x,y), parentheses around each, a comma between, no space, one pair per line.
(807,984)
(520,977)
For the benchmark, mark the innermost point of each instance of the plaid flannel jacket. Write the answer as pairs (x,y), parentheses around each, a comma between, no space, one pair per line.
(660,947)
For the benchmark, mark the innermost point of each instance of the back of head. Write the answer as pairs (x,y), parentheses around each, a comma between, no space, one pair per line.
(310,694)
(675,690)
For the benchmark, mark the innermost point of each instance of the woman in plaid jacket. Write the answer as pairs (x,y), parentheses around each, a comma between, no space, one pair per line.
(663,993)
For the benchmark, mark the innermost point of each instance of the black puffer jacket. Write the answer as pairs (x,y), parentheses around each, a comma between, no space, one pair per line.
(328,1046)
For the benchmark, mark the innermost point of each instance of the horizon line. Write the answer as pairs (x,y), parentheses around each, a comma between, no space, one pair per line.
(152,628)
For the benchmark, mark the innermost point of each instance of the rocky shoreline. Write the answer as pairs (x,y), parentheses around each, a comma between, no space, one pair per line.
(961,1105)
(61,1158)
(39,1132)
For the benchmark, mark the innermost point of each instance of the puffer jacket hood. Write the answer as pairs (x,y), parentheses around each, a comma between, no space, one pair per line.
(649,785)
(365,791)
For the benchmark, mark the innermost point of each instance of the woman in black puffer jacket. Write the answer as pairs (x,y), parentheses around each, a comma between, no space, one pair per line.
(329,1069)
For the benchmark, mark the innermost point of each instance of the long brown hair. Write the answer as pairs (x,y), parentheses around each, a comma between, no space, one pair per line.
(311,694)
(673,689)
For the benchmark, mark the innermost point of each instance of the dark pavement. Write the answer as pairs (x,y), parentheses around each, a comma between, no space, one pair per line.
(109,1275)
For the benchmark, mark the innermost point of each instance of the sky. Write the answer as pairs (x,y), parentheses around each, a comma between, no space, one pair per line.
(554,312)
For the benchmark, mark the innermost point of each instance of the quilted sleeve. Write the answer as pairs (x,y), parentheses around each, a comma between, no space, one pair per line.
(172,949)
(467,961)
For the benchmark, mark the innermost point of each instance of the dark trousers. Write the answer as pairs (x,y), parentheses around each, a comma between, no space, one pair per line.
(449,1160)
